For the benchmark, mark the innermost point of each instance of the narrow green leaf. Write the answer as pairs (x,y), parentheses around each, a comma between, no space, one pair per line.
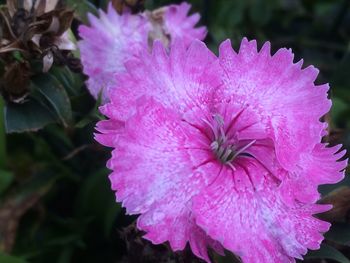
(339,233)
(327,252)
(56,96)
(82,8)
(6,179)
(29,116)
(66,255)
(72,82)
(96,198)
(4,258)
(328,188)
(82,123)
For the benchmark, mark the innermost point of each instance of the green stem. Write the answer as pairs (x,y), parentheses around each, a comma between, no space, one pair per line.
(2,134)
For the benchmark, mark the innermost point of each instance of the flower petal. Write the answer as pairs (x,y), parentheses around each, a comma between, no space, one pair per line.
(108,131)
(279,90)
(183,79)
(256,224)
(322,166)
(107,44)
(155,175)
(182,27)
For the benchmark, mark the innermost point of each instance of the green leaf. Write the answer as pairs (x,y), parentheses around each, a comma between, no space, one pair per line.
(327,252)
(82,8)
(93,116)
(6,178)
(340,79)
(72,82)
(338,106)
(327,188)
(260,11)
(339,233)
(95,198)
(4,258)
(56,96)
(60,241)
(66,255)
(84,122)
(47,103)
(29,116)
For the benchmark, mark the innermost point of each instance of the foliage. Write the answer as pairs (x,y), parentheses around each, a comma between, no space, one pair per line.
(55,199)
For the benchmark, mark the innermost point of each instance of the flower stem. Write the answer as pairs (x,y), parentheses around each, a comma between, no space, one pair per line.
(2,134)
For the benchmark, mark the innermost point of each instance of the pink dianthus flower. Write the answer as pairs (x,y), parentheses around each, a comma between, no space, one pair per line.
(112,39)
(222,152)
(178,25)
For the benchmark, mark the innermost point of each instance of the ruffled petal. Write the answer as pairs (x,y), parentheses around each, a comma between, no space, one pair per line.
(107,43)
(178,231)
(108,132)
(181,80)
(256,224)
(112,39)
(322,166)
(155,174)
(281,91)
(180,26)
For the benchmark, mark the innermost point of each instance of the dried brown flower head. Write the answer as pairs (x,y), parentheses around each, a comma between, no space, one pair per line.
(134,6)
(15,81)
(37,29)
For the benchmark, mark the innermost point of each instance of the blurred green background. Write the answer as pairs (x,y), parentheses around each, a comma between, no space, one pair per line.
(55,199)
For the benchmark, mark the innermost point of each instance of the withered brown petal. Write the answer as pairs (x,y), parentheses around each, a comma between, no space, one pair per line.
(12,6)
(134,5)
(16,80)
(157,31)
(65,18)
(7,34)
(11,212)
(50,5)
(339,198)
(48,60)
(58,21)
(39,7)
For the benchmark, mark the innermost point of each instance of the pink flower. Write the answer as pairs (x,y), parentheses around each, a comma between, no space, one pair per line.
(112,39)
(107,44)
(222,152)
(178,25)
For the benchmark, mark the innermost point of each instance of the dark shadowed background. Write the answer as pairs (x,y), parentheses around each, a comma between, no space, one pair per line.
(55,199)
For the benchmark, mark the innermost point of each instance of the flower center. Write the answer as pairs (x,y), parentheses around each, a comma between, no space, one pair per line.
(225,149)
(223,153)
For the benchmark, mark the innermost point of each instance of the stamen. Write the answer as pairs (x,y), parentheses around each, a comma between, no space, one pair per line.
(226,154)
(223,147)
(231,166)
(212,128)
(214,146)
(219,119)
(220,123)
(220,152)
(244,148)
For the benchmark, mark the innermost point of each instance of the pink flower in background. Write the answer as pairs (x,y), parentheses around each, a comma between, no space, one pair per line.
(179,25)
(222,152)
(112,39)
(107,44)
